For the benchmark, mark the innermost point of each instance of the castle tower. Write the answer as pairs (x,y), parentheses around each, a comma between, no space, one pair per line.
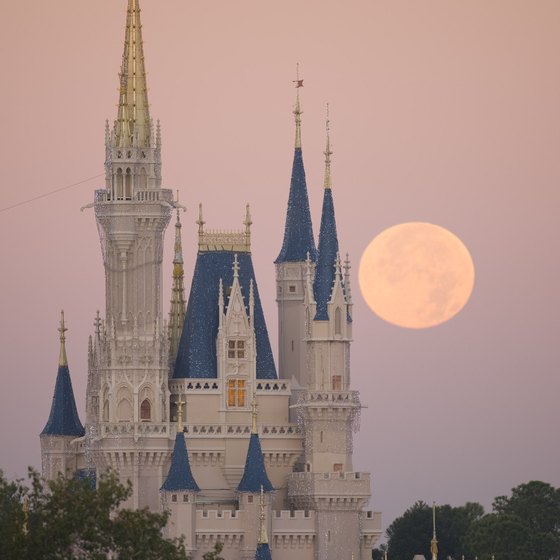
(290,269)
(128,396)
(180,489)
(329,409)
(254,491)
(59,448)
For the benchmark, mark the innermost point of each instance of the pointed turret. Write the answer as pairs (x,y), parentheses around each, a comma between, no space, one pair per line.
(328,242)
(254,476)
(132,127)
(180,477)
(298,232)
(63,419)
(177,311)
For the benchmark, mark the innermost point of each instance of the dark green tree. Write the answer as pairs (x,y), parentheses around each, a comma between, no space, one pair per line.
(411,533)
(70,519)
(523,525)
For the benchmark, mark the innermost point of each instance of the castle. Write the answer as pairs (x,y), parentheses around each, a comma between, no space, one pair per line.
(191,408)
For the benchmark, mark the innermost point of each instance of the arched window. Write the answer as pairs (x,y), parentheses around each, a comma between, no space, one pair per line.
(128,185)
(124,411)
(337,321)
(106,411)
(119,185)
(145,411)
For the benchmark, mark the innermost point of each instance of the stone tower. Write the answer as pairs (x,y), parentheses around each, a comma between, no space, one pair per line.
(128,395)
(328,408)
(298,245)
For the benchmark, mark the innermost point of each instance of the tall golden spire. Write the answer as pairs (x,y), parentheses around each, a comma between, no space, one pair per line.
(133,117)
(62,360)
(297,108)
(433,545)
(180,404)
(328,153)
(263,537)
(254,429)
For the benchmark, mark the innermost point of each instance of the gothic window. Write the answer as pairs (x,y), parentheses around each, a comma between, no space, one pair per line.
(236,349)
(236,393)
(119,185)
(145,411)
(124,410)
(337,382)
(128,185)
(337,321)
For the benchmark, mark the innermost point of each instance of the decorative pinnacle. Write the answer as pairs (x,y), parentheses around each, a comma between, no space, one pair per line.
(235,266)
(263,538)
(200,222)
(180,404)
(434,546)
(178,257)
(248,222)
(62,360)
(97,324)
(297,108)
(328,153)
(254,414)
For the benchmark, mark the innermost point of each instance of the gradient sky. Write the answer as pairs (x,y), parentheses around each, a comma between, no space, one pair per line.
(445,112)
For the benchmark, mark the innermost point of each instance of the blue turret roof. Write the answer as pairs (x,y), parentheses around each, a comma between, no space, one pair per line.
(63,419)
(196,356)
(298,233)
(180,477)
(263,552)
(326,261)
(254,475)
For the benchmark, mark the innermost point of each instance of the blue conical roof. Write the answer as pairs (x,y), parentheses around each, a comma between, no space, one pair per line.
(254,475)
(63,419)
(196,356)
(180,477)
(263,552)
(326,261)
(298,232)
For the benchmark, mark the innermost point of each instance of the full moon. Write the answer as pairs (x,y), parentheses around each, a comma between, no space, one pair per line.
(416,275)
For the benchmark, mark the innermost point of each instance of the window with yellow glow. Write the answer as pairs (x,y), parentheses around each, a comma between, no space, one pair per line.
(236,393)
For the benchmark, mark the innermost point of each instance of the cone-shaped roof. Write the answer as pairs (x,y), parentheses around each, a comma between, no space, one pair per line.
(263,552)
(326,260)
(63,419)
(180,477)
(196,356)
(133,118)
(254,475)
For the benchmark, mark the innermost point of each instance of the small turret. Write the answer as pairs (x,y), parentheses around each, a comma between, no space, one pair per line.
(58,447)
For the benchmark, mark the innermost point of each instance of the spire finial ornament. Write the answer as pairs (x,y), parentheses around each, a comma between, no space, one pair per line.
(235,266)
(180,404)
(62,360)
(133,117)
(328,153)
(263,537)
(254,429)
(297,108)
(433,545)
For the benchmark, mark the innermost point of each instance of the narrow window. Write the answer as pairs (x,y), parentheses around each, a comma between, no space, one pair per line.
(145,411)
(128,185)
(173,497)
(337,321)
(337,383)
(119,185)
(236,393)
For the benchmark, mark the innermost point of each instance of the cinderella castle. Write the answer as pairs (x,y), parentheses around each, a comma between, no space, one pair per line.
(190,406)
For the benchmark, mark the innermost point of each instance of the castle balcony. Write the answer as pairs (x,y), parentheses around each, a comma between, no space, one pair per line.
(341,491)
(214,386)
(328,398)
(243,431)
(144,195)
(133,429)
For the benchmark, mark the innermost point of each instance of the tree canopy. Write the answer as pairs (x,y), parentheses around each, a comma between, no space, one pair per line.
(71,519)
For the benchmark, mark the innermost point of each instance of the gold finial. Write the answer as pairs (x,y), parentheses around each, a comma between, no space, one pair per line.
(180,404)
(328,153)
(62,360)
(385,555)
(433,546)
(297,108)
(254,414)
(263,538)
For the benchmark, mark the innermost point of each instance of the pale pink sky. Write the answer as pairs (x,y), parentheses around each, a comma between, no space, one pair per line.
(446,112)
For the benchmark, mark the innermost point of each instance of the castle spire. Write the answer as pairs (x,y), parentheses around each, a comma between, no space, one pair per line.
(178,305)
(298,232)
(63,418)
(326,270)
(132,126)
(62,359)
